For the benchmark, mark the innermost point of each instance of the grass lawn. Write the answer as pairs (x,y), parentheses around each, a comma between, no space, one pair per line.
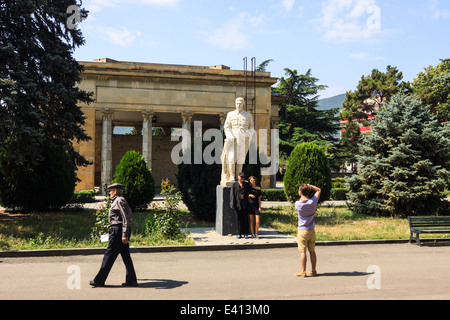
(72,228)
(339,223)
(68,229)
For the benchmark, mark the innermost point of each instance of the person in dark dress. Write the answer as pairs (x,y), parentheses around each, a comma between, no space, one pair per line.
(254,199)
(239,202)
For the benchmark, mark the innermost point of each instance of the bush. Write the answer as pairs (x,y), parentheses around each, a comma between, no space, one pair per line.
(307,164)
(273,195)
(338,183)
(86,196)
(101,225)
(339,194)
(167,219)
(137,179)
(198,184)
(48,184)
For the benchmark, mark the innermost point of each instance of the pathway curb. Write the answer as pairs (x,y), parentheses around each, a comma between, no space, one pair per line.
(100,251)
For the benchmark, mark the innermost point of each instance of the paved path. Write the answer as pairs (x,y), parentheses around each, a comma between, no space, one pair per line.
(209,236)
(404,272)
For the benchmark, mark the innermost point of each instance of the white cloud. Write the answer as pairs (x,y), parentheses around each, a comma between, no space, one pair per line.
(234,34)
(351,21)
(437,12)
(98,5)
(288,5)
(119,36)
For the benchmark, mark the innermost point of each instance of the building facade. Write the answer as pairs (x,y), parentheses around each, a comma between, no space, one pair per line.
(147,96)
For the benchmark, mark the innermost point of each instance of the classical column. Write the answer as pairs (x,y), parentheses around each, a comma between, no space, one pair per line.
(186,126)
(223,117)
(187,119)
(147,137)
(107,132)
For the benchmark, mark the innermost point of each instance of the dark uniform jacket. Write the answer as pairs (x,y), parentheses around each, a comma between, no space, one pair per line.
(239,196)
(120,215)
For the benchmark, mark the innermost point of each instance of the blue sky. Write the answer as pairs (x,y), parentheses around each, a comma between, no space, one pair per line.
(340,40)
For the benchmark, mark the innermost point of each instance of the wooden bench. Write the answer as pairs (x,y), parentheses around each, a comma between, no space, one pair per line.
(430,224)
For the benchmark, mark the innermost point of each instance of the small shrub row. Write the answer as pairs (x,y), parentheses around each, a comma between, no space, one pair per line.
(337,194)
(273,195)
(86,196)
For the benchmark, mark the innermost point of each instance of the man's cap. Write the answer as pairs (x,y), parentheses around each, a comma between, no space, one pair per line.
(242,174)
(116,186)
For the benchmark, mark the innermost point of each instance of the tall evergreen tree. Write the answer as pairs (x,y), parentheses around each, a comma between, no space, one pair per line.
(38,93)
(300,121)
(404,163)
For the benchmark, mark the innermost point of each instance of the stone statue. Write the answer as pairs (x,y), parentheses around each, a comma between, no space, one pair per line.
(239,130)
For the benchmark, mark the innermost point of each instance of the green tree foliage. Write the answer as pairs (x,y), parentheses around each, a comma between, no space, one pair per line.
(433,88)
(403,166)
(49,184)
(166,220)
(307,164)
(39,98)
(197,184)
(300,121)
(372,92)
(137,179)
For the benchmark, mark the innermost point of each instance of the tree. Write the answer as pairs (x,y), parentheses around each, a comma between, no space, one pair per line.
(373,91)
(263,66)
(307,164)
(403,166)
(300,121)
(197,184)
(47,185)
(433,88)
(38,94)
(133,173)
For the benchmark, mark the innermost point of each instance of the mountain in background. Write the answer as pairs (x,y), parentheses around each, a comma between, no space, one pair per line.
(330,103)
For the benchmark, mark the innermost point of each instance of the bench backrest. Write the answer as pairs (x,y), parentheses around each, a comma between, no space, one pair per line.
(429,222)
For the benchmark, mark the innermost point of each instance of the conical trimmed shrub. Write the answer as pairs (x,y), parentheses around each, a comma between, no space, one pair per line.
(137,179)
(307,164)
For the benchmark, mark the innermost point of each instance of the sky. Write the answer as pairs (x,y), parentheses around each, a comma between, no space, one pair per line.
(339,40)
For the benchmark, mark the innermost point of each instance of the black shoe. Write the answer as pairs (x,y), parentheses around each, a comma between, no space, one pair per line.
(92,283)
(135,284)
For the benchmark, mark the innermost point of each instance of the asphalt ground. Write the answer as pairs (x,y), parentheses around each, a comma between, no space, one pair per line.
(367,272)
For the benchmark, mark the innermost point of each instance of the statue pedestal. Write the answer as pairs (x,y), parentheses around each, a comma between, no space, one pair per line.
(226,218)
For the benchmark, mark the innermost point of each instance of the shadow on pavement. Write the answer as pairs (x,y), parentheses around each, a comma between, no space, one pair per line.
(161,284)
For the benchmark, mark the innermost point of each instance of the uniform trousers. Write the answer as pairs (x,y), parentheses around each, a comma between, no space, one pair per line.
(116,247)
(243,223)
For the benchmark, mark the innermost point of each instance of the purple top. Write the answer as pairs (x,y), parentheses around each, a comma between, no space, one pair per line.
(306,211)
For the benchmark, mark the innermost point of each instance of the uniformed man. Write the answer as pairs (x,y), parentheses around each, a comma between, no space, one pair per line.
(239,133)
(119,236)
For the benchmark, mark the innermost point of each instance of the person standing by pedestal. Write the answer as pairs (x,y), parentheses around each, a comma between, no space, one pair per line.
(254,199)
(239,203)
(119,236)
